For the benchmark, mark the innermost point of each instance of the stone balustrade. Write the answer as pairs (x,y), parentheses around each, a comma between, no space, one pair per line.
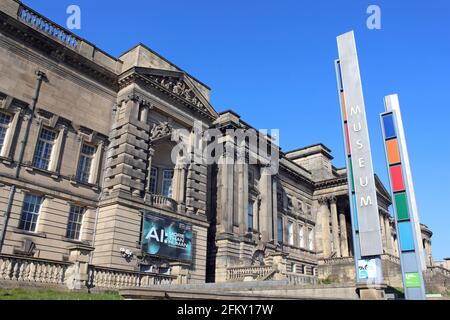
(254,272)
(163,202)
(34,270)
(106,278)
(439,269)
(391,258)
(37,21)
(334,261)
(24,269)
(301,279)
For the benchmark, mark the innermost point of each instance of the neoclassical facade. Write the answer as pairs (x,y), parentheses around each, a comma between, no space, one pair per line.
(87,151)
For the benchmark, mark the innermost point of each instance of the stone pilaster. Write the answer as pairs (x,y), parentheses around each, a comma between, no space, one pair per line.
(335,227)
(266,205)
(323,228)
(344,240)
(242,169)
(388,232)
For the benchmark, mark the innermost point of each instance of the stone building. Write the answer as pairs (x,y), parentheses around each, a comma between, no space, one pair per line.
(86,153)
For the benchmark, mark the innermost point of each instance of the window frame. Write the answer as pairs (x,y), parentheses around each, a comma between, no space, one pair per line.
(164,180)
(154,179)
(280,236)
(45,142)
(90,157)
(290,233)
(34,221)
(301,236)
(78,223)
(251,217)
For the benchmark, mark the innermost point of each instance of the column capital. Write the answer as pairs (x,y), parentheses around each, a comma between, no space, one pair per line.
(332,199)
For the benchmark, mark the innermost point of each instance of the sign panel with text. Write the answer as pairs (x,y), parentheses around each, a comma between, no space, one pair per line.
(166,237)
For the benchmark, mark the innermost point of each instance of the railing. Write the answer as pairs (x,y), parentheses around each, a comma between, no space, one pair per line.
(300,279)
(39,22)
(107,278)
(163,202)
(32,270)
(256,272)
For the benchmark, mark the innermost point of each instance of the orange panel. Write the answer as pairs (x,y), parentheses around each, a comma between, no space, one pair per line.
(392,151)
(343,106)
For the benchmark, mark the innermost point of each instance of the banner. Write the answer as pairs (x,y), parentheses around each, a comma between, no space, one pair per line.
(166,237)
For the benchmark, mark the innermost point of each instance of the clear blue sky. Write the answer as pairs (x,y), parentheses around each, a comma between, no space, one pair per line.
(273,63)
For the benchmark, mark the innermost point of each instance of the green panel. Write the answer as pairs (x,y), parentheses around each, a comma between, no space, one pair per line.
(401,204)
(351,173)
(412,280)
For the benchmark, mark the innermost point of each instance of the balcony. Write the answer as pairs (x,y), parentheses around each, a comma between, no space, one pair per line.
(162,202)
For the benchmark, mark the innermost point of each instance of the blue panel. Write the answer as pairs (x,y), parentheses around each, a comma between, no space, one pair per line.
(406,237)
(389,128)
(338,65)
(355,213)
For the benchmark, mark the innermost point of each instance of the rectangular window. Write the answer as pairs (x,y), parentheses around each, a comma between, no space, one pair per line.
(30,212)
(4,125)
(44,148)
(280,229)
(85,163)
(301,236)
(167,183)
(310,239)
(250,215)
(75,222)
(153,180)
(290,233)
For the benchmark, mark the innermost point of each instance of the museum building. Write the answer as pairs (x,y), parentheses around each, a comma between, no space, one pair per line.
(90,192)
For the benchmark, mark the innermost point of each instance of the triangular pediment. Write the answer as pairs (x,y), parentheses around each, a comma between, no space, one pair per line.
(177,85)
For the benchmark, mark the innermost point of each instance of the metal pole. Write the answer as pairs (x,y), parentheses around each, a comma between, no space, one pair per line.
(40,77)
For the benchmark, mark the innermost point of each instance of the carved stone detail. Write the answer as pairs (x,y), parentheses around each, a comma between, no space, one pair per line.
(160,130)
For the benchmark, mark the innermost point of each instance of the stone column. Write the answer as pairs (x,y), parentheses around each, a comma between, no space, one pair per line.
(226,193)
(323,234)
(242,169)
(388,232)
(344,241)
(335,227)
(266,205)
(179,184)
(383,231)
(274,233)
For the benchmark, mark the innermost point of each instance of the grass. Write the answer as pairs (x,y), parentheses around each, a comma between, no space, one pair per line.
(40,294)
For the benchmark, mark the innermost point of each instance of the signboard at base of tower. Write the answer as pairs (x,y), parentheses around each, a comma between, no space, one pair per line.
(166,237)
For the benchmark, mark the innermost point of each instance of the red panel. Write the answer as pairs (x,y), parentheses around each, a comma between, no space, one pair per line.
(347,139)
(397,178)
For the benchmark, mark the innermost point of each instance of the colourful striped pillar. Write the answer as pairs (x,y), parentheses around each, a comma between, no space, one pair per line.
(403,198)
